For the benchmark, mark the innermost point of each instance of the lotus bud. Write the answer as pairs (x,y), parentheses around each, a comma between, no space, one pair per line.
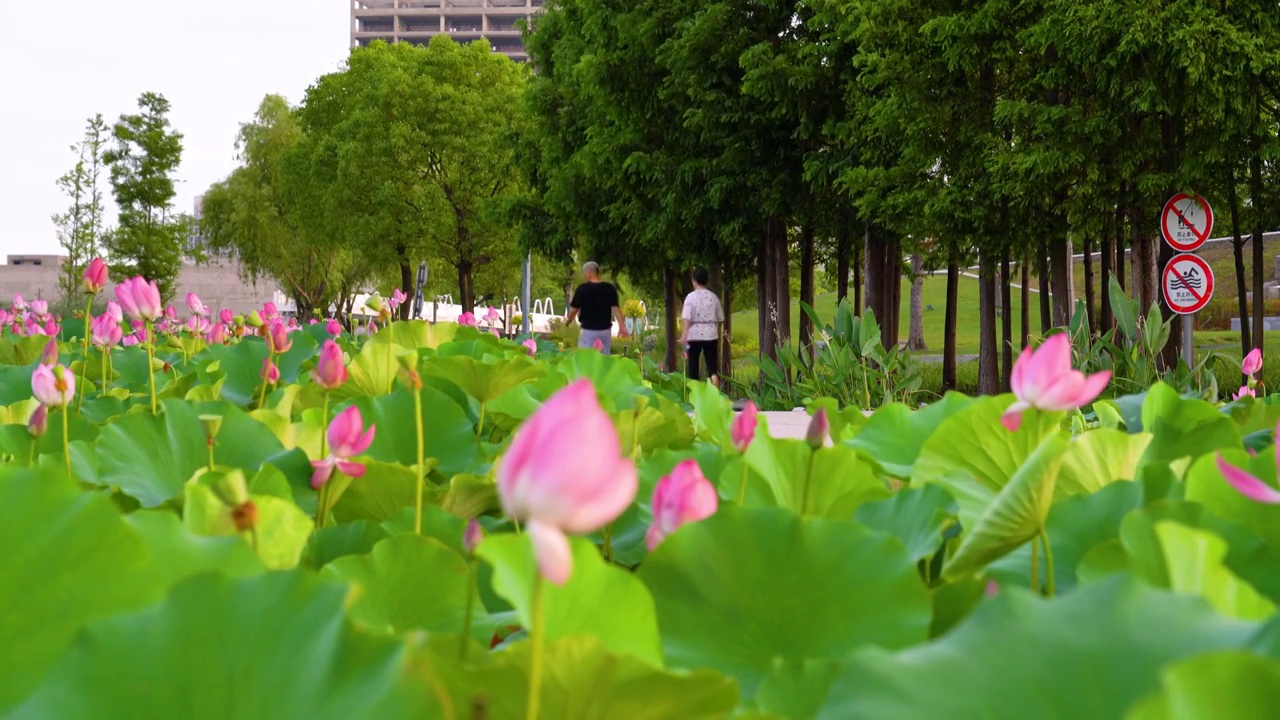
(39,422)
(819,429)
(472,536)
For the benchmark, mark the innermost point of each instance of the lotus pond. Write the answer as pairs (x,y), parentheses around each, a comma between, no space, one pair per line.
(474,541)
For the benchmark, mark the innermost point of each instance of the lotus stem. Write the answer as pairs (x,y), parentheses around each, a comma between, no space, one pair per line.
(466,616)
(84,353)
(66,434)
(1048,561)
(151,358)
(536,638)
(417,516)
(742,484)
(1035,566)
(808,480)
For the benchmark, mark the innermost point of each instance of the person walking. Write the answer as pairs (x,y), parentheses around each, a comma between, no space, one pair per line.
(703,316)
(595,305)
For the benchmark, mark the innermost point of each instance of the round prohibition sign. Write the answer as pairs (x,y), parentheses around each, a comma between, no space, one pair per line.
(1186,222)
(1187,283)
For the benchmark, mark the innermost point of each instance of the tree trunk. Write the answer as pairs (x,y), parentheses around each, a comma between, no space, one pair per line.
(915,335)
(1256,202)
(856,253)
(1237,247)
(988,355)
(1104,283)
(844,251)
(766,297)
(1006,322)
(1087,249)
(893,266)
(466,290)
(782,287)
(1060,265)
(726,345)
(1121,216)
(806,288)
(671,359)
(1046,320)
(406,286)
(874,250)
(1143,259)
(949,326)
(1025,338)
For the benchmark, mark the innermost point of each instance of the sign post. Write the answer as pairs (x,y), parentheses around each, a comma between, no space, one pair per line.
(417,293)
(1187,281)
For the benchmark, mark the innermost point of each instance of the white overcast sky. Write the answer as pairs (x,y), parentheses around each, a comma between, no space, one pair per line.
(61,61)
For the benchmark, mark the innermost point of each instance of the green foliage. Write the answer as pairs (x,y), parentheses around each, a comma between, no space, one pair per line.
(151,238)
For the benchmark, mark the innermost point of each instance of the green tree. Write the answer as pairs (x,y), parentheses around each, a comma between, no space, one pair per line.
(80,227)
(412,144)
(151,238)
(267,214)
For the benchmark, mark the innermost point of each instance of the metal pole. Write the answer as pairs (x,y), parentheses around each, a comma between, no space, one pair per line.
(526,286)
(1188,342)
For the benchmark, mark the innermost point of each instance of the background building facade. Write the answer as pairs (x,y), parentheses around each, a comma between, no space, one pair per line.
(417,21)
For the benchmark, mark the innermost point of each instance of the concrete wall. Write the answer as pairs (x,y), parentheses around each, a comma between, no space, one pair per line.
(218,284)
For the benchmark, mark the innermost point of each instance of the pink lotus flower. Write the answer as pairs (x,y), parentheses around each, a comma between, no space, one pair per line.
(33,327)
(18,303)
(170,313)
(472,536)
(492,316)
(270,372)
(347,439)
(113,309)
(226,317)
(598,345)
(53,385)
(1044,379)
(468,319)
(198,325)
(38,424)
(563,473)
(49,356)
(269,310)
(684,496)
(95,276)
(139,298)
(40,308)
(531,345)
(331,369)
(1246,484)
(1244,391)
(397,298)
(333,327)
(196,307)
(278,338)
(819,429)
(743,428)
(217,335)
(105,332)
(1252,362)
(131,339)
(51,328)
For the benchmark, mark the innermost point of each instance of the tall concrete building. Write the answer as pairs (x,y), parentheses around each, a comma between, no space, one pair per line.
(417,21)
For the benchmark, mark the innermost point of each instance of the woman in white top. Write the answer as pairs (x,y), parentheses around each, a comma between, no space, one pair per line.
(702,317)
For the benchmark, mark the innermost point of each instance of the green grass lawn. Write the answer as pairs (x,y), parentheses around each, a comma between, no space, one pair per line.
(934,294)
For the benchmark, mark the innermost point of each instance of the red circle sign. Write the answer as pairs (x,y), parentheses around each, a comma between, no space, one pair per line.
(1188,284)
(1186,222)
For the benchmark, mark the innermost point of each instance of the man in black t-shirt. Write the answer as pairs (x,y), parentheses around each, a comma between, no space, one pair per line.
(595,305)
